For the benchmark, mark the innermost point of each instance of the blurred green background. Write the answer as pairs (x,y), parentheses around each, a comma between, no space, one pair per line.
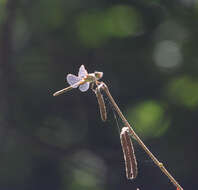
(148,53)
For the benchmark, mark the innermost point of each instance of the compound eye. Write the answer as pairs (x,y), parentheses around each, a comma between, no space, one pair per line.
(98,74)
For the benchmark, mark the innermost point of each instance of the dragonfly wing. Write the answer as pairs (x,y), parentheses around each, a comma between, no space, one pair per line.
(84,87)
(72,80)
(82,72)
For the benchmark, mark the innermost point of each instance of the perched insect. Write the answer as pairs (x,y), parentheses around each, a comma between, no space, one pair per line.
(82,81)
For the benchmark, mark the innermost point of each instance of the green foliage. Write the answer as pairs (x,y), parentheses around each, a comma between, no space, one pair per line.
(96,27)
(16,162)
(2,11)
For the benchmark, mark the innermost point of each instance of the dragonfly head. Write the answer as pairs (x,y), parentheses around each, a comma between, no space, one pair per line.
(98,75)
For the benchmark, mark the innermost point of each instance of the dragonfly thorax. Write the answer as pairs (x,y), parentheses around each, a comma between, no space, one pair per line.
(92,77)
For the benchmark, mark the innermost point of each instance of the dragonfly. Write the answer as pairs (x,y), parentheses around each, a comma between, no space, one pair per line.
(83,80)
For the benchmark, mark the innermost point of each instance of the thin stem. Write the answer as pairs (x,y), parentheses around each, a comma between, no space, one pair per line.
(132,132)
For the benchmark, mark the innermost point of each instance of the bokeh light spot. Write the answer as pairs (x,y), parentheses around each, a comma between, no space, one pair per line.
(123,21)
(90,28)
(88,171)
(167,54)
(3,2)
(149,119)
(184,90)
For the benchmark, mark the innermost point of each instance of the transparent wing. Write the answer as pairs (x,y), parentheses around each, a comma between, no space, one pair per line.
(84,87)
(82,71)
(72,80)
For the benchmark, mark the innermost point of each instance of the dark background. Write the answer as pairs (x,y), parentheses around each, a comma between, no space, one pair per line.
(148,53)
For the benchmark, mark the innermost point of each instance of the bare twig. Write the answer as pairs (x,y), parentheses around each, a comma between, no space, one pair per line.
(132,132)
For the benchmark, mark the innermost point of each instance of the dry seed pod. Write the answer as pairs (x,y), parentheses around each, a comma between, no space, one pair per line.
(129,155)
(101,103)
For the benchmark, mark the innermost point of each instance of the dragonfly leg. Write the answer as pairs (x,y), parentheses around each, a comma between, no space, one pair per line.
(93,87)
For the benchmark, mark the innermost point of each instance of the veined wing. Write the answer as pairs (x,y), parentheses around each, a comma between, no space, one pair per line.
(82,71)
(73,80)
(84,87)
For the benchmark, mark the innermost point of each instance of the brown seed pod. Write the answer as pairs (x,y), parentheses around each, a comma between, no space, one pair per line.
(129,155)
(101,103)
